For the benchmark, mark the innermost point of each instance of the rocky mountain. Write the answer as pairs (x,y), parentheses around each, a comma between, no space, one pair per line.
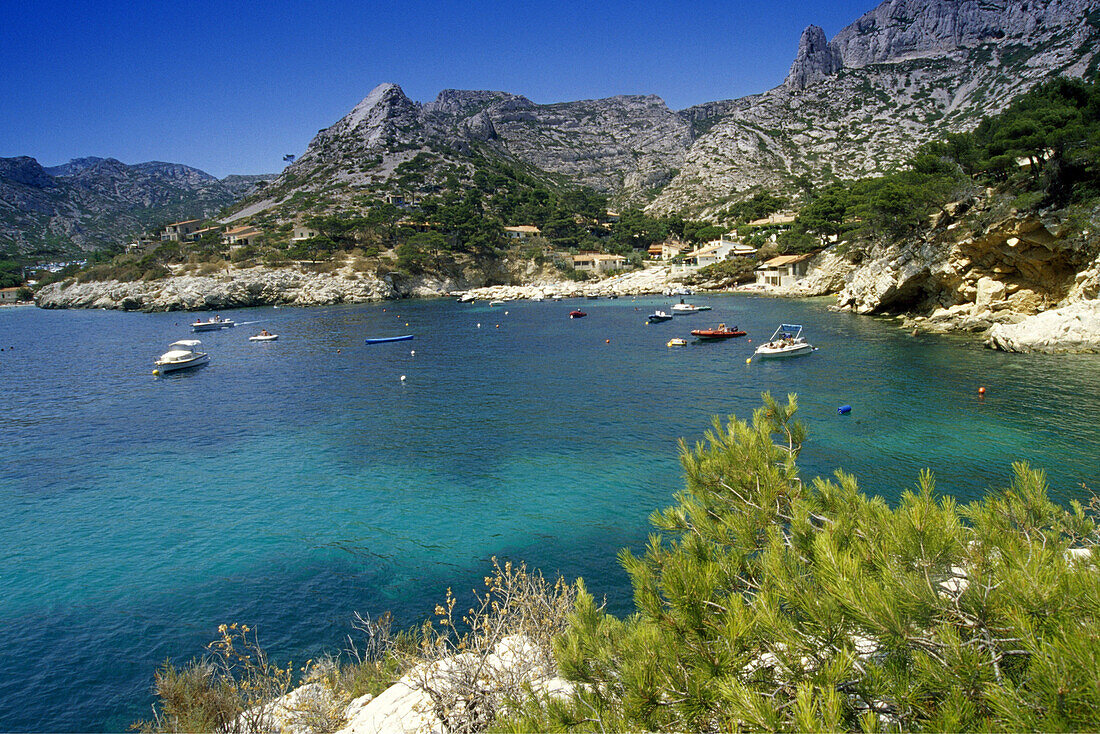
(89,203)
(630,145)
(906,72)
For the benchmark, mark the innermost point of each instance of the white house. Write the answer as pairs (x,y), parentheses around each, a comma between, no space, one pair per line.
(177,231)
(241,236)
(301,233)
(595,262)
(783,270)
(521,232)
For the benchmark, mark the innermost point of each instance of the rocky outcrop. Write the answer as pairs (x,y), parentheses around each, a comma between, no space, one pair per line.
(815,60)
(1071,329)
(240,288)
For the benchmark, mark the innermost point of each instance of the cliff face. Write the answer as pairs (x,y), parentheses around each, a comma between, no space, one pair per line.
(92,202)
(906,72)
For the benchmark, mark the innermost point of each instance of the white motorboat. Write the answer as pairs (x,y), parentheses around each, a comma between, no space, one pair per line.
(214,323)
(787,341)
(181,355)
(682,307)
(263,336)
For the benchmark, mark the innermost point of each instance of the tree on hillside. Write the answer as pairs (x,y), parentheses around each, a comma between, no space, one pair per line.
(771,603)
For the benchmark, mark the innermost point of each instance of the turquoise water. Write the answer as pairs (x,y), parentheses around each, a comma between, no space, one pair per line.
(289,484)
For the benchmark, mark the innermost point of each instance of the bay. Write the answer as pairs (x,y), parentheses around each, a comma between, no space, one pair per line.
(288,484)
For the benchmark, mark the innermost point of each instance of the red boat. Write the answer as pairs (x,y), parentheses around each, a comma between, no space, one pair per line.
(721,332)
(577,314)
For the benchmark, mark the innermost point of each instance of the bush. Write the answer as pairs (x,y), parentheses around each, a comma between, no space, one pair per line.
(774,604)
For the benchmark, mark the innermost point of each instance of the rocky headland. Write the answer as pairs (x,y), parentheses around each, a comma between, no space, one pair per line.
(1023,281)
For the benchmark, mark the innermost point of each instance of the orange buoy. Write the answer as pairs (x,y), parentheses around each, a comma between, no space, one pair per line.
(981,391)
(606,341)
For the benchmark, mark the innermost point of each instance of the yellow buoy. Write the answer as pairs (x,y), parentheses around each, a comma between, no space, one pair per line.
(748,361)
(156,372)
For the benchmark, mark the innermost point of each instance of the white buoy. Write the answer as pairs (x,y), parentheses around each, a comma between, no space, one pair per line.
(402,378)
(413,352)
(479,325)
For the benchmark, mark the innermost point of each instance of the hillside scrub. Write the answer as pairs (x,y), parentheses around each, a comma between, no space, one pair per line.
(769,603)
(1043,150)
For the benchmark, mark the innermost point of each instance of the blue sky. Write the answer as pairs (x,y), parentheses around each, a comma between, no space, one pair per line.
(232,87)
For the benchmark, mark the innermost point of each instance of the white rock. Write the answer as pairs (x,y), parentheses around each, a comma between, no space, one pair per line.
(1073,328)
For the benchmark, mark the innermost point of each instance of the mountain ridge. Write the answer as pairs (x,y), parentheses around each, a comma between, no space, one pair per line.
(854,105)
(91,202)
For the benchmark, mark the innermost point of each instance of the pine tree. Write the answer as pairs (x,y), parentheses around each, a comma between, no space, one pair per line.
(770,604)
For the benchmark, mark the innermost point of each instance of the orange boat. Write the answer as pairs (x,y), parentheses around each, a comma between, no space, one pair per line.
(720,332)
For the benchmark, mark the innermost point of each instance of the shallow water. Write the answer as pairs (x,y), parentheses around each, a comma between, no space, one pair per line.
(290,483)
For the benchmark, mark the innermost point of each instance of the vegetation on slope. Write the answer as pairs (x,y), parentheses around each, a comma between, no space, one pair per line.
(1043,150)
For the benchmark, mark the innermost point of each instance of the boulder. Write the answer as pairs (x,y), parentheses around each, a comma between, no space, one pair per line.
(1070,329)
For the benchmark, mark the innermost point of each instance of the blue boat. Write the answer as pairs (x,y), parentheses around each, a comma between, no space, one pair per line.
(380,340)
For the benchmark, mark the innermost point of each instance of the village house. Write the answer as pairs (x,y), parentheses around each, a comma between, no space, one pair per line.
(719,250)
(521,232)
(302,232)
(241,236)
(783,270)
(141,244)
(177,231)
(596,262)
(9,295)
(198,234)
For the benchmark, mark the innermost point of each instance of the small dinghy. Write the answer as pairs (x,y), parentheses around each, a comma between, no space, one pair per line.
(577,314)
(263,336)
(677,342)
(658,316)
(384,339)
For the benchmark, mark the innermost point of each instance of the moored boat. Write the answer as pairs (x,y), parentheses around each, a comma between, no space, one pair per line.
(677,342)
(384,339)
(577,314)
(658,316)
(214,323)
(181,355)
(719,332)
(787,341)
(682,307)
(263,336)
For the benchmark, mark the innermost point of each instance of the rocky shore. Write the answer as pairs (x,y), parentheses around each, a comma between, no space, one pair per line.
(1019,284)
(296,286)
(1024,283)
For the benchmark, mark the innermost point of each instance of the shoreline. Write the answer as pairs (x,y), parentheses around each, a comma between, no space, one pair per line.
(1067,327)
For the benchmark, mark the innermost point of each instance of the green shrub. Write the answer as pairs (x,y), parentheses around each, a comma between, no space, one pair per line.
(772,603)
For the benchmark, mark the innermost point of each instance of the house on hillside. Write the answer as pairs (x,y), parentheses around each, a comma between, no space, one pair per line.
(141,244)
(783,270)
(9,295)
(596,262)
(241,236)
(302,232)
(718,250)
(521,232)
(198,234)
(177,231)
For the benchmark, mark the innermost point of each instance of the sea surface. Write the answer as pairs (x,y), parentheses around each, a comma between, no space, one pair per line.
(290,484)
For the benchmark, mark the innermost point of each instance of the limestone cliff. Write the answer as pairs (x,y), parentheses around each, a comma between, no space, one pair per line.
(904,73)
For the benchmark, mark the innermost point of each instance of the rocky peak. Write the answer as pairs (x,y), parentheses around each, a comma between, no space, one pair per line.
(463,102)
(816,59)
(898,30)
(26,171)
(384,101)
